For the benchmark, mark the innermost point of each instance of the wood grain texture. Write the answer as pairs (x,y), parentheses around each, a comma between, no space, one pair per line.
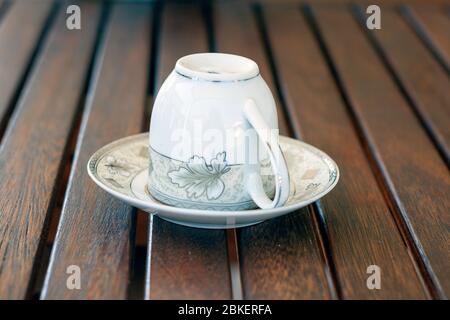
(281,258)
(358,222)
(425,81)
(96,231)
(33,147)
(432,24)
(184,263)
(20,29)
(416,176)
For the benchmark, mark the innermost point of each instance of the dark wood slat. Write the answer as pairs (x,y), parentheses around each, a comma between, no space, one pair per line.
(20,29)
(432,24)
(424,80)
(96,231)
(33,147)
(281,258)
(414,173)
(185,263)
(359,224)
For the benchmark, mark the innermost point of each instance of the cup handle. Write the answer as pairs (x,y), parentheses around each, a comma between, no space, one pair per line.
(279,167)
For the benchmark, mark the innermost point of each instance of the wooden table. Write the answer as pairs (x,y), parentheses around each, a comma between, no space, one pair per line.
(377,101)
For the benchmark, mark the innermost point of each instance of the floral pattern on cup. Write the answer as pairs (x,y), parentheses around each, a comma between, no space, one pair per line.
(198,178)
(197,181)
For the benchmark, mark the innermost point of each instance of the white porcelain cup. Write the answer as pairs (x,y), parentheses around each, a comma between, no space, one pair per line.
(214,137)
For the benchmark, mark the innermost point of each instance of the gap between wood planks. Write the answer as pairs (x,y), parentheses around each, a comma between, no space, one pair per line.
(419,28)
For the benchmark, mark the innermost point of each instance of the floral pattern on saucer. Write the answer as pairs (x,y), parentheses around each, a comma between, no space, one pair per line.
(117,166)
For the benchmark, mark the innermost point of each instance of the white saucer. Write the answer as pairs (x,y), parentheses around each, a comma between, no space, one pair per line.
(120,168)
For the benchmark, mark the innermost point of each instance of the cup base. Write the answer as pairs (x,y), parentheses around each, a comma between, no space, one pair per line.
(189,204)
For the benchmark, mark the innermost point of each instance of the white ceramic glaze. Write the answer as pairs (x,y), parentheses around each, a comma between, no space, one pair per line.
(121,169)
(213,112)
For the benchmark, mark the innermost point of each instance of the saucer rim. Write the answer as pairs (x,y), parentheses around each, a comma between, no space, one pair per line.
(201,213)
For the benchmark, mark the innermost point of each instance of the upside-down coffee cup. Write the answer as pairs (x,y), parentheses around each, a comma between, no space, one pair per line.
(214,137)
